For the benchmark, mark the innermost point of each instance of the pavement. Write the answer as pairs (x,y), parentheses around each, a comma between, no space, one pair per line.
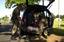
(6,38)
(5,34)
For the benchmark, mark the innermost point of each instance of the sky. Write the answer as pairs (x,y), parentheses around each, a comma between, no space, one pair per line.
(4,11)
(54,8)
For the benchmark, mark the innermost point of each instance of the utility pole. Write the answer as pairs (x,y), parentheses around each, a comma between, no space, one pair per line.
(58,12)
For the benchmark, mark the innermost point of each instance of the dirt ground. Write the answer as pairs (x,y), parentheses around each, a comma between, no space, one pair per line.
(51,38)
(55,38)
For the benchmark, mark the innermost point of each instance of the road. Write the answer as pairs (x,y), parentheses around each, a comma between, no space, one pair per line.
(52,38)
(5,35)
(6,38)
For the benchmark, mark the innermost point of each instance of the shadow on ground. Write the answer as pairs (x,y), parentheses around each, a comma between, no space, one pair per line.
(58,31)
(5,28)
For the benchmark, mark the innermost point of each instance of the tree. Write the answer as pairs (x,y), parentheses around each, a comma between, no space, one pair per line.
(10,3)
(4,20)
(62,17)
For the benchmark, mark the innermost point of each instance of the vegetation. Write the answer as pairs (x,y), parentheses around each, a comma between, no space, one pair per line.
(4,20)
(9,3)
(56,21)
(59,30)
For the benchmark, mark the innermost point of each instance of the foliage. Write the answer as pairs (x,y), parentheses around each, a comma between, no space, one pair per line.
(32,1)
(9,3)
(4,20)
(62,17)
(56,23)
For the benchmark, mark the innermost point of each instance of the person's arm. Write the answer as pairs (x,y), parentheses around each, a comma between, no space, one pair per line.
(51,1)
